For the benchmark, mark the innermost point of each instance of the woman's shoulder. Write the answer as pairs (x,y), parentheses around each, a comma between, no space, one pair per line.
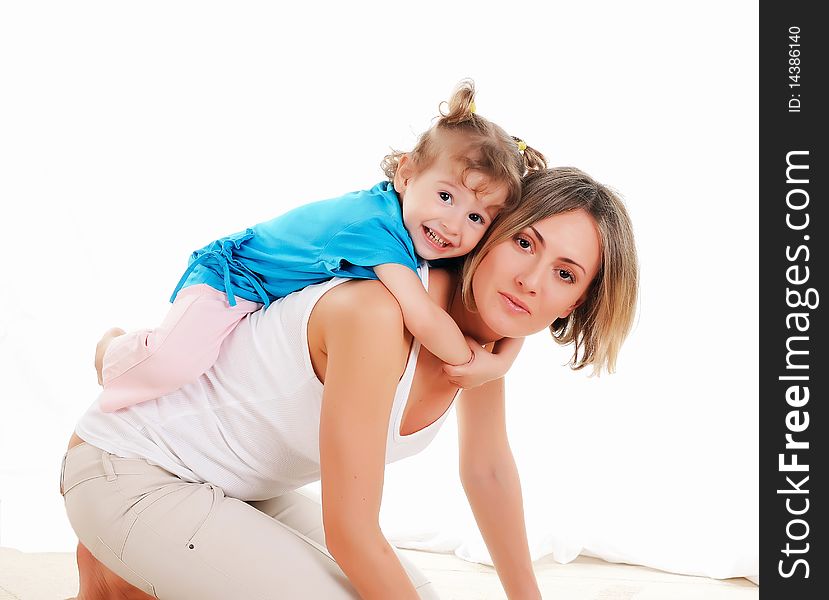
(359,305)
(351,314)
(367,302)
(441,282)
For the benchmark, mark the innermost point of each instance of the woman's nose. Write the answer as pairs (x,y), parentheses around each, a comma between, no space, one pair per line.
(527,282)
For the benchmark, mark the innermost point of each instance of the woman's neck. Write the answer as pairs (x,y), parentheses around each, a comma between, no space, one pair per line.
(470,323)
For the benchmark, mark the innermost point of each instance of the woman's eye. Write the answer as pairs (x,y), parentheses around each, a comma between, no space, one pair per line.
(524,243)
(566,275)
(445,197)
(476,218)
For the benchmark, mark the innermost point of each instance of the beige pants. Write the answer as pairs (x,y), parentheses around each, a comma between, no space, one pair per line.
(179,540)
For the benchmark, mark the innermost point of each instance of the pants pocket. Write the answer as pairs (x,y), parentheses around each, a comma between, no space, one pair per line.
(76,448)
(179,513)
(62,473)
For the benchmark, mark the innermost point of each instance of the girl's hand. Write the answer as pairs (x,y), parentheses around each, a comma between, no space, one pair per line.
(483,367)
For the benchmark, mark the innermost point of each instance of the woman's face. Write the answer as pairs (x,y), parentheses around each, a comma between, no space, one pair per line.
(525,283)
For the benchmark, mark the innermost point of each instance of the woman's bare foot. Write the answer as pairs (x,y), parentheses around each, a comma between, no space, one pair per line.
(101,349)
(99,583)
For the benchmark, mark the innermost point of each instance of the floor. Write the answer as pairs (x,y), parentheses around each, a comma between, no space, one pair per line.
(583,579)
(52,576)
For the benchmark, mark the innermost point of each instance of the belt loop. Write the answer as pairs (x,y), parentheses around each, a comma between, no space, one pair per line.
(108,468)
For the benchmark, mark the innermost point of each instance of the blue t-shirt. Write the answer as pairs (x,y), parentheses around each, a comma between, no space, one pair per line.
(340,237)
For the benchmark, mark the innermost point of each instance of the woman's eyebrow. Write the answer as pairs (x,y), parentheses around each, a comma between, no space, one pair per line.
(572,262)
(561,258)
(539,236)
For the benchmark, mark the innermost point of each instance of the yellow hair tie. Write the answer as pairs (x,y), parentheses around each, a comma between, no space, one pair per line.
(472,107)
(522,145)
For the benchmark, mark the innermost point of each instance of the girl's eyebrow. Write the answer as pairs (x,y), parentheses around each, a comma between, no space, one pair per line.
(490,209)
(449,184)
(561,258)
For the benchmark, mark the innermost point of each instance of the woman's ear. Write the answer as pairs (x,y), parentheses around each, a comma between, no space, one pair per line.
(567,312)
(573,307)
(404,172)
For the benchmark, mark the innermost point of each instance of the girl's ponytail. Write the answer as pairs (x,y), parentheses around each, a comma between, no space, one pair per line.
(533,159)
(461,106)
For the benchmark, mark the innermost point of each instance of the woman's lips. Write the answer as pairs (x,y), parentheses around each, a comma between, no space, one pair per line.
(515,304)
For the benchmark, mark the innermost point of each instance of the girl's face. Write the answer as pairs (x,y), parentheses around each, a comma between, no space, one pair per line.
(525,283)
(441,212)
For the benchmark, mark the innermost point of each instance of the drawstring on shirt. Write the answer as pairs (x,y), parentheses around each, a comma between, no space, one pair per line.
(224,256)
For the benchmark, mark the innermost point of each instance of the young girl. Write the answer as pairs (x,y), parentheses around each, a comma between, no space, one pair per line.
(440,199)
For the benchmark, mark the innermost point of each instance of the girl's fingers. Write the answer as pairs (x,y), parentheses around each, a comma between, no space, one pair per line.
(453,370)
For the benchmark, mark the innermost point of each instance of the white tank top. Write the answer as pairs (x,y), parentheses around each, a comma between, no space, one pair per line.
(249,425)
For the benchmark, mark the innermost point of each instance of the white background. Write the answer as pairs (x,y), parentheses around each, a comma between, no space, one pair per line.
(132,133)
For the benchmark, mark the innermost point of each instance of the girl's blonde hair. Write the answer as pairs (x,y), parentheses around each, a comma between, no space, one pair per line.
(599,325)
(491,151)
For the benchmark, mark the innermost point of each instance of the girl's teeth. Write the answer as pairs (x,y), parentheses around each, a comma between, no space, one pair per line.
(436,238)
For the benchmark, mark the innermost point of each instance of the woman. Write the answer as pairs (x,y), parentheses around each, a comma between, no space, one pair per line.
(564,258)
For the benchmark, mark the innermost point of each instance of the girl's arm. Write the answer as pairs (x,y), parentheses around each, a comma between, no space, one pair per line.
(486,366)
(428,323)
(365,353)
(492,486)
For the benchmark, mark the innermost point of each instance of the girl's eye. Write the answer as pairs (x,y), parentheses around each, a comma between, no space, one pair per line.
(566,275)
(445,197)
(523,243)
(476,218)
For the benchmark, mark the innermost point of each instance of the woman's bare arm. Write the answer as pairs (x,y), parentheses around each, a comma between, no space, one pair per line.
(492,486)
(363,339)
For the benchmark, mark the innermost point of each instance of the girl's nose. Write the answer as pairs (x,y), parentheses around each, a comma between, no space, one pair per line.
(450,228)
